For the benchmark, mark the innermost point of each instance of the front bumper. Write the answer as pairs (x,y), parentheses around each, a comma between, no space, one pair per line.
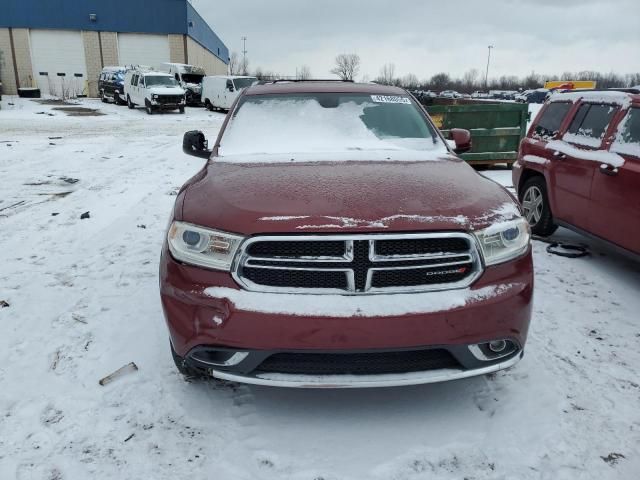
(205,309)
(363,381)
(167,104)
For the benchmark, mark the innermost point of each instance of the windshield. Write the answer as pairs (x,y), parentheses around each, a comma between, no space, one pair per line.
(327,122)
(159,80)
(241,83)
(192,78)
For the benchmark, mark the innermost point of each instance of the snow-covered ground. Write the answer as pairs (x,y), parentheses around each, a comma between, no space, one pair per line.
(83,301)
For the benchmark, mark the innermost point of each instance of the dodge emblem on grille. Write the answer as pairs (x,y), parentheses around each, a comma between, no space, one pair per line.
(447,272)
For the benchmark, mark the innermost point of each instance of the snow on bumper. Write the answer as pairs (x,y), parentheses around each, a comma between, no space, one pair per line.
(205,307)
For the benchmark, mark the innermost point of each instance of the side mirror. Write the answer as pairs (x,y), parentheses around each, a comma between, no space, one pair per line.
(230,86)
(462,139)
(194,143)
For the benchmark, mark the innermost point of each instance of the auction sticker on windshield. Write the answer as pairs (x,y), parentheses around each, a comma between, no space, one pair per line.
(390,99)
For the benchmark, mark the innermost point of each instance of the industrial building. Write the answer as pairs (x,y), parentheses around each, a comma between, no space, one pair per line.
(62,45)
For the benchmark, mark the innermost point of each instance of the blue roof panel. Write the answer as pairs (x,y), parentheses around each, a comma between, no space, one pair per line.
(127,16)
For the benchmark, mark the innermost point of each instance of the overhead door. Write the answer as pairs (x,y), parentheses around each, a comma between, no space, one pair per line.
(143,49)
(58,60)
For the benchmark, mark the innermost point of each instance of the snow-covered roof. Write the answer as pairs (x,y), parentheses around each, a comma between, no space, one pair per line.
(624,99)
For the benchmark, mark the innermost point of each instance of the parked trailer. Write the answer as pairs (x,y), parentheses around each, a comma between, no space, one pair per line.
(496,127)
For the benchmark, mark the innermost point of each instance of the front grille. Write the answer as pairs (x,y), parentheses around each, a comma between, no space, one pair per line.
(419,246)
(169,99)
(296,249)
(369,363)
(418,276)
(358,264)
(296,278)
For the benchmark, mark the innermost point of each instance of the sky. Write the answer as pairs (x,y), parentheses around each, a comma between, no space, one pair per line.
(426,37)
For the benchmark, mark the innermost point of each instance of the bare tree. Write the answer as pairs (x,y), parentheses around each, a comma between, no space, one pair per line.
(266,75)
(470,80)
(243,66)
(347,66)
(387,74)
(440,81)
(303,73)
(234,64)
(410,81)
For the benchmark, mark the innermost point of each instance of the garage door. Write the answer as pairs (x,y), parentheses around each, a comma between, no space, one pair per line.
(58,62)
(143,49)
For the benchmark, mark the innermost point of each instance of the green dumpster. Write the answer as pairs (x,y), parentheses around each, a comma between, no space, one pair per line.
(496,127)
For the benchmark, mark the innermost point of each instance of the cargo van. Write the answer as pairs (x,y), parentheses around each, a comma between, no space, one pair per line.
(220,91)
(157,91)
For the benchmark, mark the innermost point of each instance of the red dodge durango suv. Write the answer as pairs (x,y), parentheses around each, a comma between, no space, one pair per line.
(334,239)
(579,167)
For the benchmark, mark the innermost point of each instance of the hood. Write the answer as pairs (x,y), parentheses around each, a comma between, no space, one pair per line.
(360,196)
(166,91)
(194,87)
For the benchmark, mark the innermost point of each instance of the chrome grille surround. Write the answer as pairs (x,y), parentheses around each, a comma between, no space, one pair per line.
(471,257)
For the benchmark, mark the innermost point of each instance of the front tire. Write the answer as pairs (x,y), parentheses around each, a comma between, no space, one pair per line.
(130,104)
(181,109)
(535,204)
(148,107)
(102,97)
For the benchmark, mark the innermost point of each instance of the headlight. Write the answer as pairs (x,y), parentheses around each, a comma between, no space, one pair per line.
(504,241)
(154,96)
(202,246)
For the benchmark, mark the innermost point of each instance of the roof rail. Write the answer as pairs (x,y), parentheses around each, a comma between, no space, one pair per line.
(284,80)
(142,68)
(621,89)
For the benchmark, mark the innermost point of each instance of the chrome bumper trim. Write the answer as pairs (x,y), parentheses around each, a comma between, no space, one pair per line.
(233,360)
(362,381)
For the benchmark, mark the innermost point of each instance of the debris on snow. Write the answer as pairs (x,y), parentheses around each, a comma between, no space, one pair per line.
(4,304)
(69,180)
(85,215)
(613,458)
(129,367)
(56,360)
(78,318)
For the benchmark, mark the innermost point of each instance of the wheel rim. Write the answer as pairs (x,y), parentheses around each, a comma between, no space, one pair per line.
(532,204)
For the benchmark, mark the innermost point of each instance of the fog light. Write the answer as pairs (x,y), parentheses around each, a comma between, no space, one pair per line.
(497,346)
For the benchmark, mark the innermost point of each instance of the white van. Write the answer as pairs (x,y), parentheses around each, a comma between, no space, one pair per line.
(190,79)
(220,91)
(155,90)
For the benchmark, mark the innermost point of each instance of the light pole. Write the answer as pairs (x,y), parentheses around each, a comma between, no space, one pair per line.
(244,56)
(486,77)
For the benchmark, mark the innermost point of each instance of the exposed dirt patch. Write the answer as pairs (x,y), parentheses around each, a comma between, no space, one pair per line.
(54,101)
(80,111)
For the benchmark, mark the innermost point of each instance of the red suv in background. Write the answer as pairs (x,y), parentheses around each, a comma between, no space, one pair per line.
(579,167)
(334,239)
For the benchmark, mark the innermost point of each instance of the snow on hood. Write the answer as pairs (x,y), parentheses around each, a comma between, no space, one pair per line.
(345,197)
(196,87)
